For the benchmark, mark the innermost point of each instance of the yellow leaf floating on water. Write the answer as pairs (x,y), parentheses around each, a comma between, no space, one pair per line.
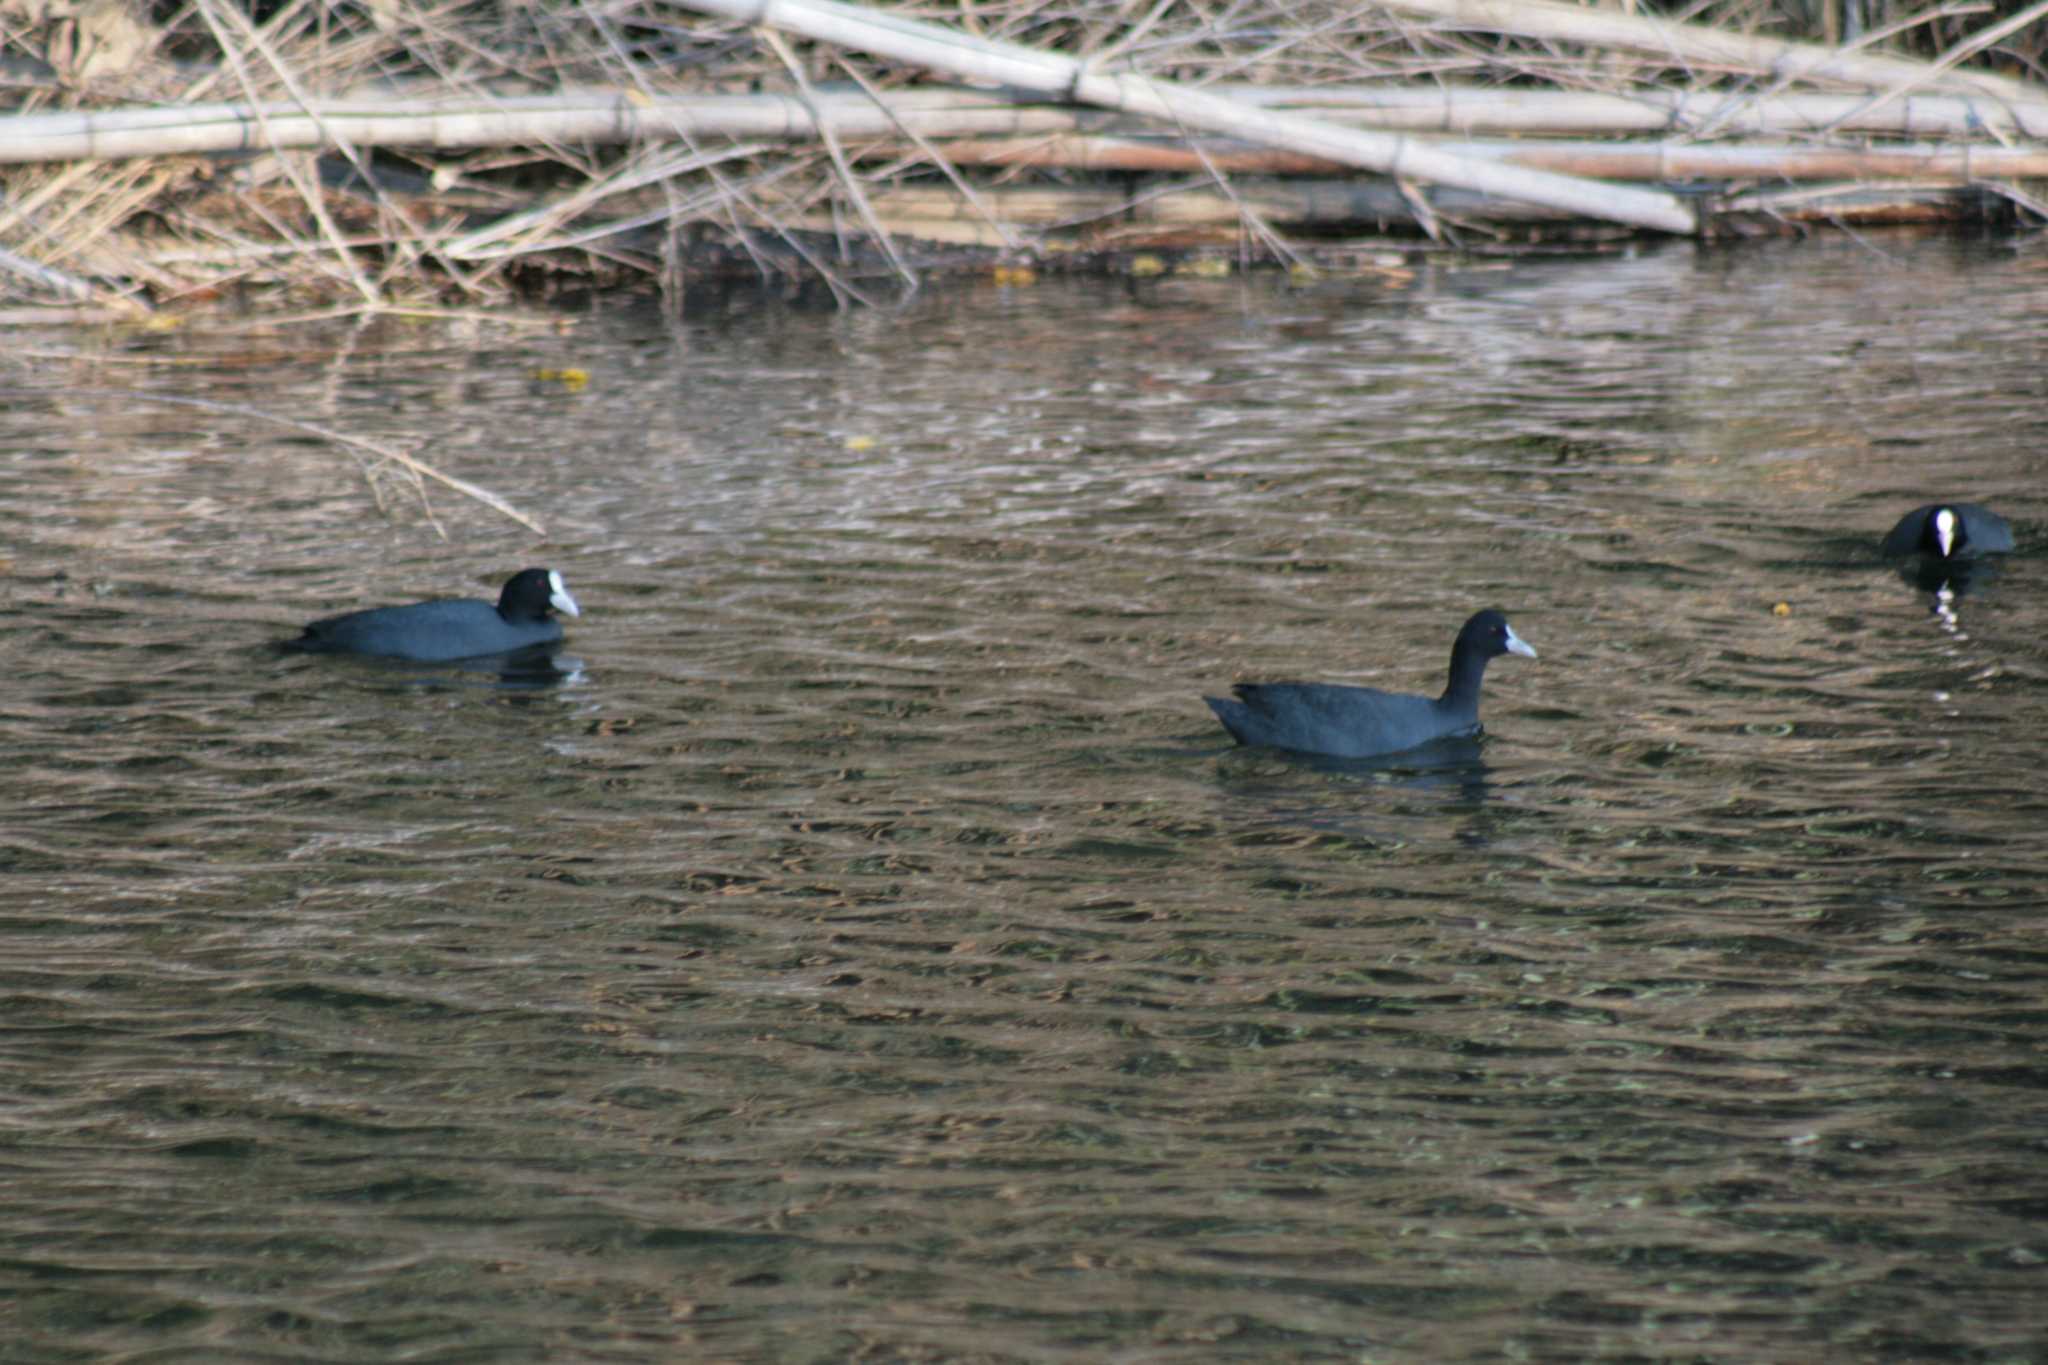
(1782,609)
(860,443)
(1015,276)
(572,381)
(1208,267)
(1144,265)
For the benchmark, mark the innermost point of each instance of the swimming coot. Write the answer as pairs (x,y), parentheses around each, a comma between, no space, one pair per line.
(452,627)
(1949,530)
(1361,722)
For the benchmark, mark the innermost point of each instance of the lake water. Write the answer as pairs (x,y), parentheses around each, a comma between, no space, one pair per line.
(871,948)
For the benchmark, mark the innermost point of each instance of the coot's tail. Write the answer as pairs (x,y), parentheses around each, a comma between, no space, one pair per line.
(1234,716)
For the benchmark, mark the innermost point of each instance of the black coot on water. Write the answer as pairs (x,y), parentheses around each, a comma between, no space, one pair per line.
(1941,548)
(1363,722)
(450,628)
(1949,531)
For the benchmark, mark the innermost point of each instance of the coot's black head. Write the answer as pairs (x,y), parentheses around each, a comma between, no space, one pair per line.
(1488,634)
(531,593)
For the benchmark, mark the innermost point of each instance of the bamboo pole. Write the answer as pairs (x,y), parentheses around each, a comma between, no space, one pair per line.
(1646,161)
(1109,219)
(928,45)
(1484,112)
(115,134)
(1297,203)
(608,117)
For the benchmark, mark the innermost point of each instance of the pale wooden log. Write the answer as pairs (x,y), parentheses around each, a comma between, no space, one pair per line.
(1655,161)
(1293,202)
(928,45)
(1485,112)
(1696,45)
(601,117)
(1665,161)
(1096,219)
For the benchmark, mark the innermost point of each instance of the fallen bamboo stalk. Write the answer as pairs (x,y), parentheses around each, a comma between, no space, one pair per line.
(929,212)
(607,117)
(928,45)
(1382,206)
(1296,203)
(600,117)
(1667,161)
(1196,213)
(1108,219)
(1484,112)
(1653,161)
(1696,45)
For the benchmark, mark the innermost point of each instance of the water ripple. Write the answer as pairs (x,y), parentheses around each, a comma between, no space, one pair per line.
(871,945)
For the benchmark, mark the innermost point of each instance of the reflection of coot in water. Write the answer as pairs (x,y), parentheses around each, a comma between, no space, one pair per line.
(451,628)
(1276,794)
(1942,544)
(536,666)
(1451,766)
(1361,722)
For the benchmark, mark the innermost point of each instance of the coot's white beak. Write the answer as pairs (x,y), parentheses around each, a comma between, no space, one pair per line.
(1517,645)
(558,595)
(1945,531)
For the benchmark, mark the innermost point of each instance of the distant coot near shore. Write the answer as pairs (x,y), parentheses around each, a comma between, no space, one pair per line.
(1364,722)
(450,628)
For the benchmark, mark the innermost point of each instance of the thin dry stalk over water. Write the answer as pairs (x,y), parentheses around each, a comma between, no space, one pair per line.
(159,154)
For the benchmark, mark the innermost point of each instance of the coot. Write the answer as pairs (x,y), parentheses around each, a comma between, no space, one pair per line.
(1362,722)
(1949,530)
(452,627)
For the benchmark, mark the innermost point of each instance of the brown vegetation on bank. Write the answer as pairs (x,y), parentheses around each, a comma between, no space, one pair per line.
(404,151)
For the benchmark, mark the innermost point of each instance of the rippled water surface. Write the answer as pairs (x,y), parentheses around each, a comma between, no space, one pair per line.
(871,948)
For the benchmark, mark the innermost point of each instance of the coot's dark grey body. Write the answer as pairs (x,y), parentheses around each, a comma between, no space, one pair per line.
(450,628)
(1967,530)
(1363,722)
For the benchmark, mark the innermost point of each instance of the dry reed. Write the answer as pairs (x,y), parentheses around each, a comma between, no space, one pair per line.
(407,149)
